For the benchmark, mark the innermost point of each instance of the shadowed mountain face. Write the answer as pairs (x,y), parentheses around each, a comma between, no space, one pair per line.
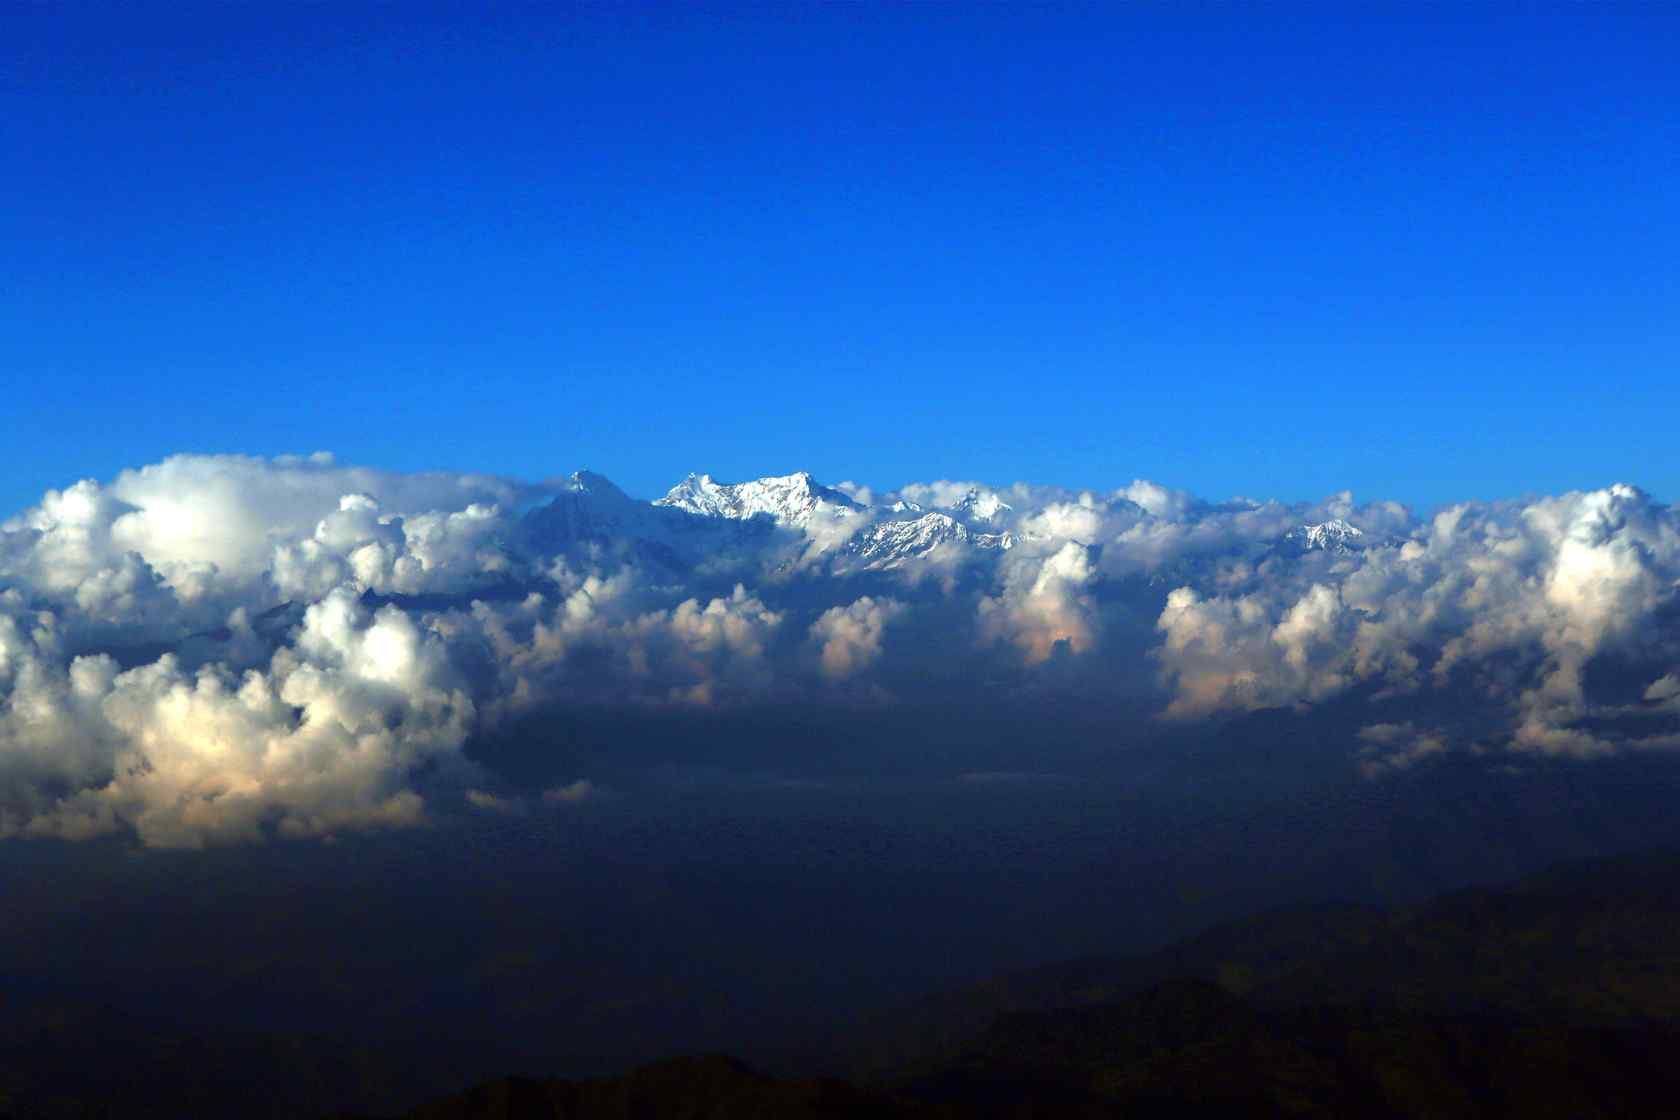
(714,1088)
(1591,945)
(1191,1048)
(1556,996)
(1186,1048)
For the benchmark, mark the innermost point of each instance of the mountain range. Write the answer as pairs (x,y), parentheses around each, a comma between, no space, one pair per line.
(838,530)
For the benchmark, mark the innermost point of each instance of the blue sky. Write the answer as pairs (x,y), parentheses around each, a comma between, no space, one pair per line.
(1424,252)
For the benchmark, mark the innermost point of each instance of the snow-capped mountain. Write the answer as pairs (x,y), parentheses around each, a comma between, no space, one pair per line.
(981,505)
(592,515)
(589,507)
(1334,536)
(894,542)
(774,518)
(792,501)
(793,522)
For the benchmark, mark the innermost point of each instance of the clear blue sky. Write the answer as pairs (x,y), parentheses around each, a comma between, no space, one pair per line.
(1427,252)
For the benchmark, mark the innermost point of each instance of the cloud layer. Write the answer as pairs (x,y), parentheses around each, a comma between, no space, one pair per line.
(221,648)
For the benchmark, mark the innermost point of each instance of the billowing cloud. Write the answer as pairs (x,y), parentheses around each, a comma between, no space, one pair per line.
(989,504)
(323,738)
(220,648)
(1243,652)
(1514,601)
(848,638)
(1044,605)
(595,643)
(1156,500)
(377,551)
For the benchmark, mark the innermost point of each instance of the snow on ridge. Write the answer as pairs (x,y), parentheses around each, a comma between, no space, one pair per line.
(891,543)
(982,506)
(792,500)
(1334,535)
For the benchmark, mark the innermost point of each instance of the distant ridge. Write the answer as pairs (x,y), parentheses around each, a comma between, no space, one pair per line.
(1511,1002)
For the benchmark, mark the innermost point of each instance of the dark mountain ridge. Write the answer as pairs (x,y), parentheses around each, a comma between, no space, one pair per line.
(1558,995)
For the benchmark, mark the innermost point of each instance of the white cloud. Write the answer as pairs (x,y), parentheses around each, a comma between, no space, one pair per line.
(1044,604)
(1244,652)
(1551,583)
(211,526)
(1157,500)
(943,493)
(194,652)
(324,738)
(599,643)
(859,493)
(1080,520)
(849,638)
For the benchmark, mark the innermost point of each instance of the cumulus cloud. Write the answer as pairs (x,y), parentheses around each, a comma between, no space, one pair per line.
(220,648)
(945,493)
(849,638)
(227,511)
(359,543)
(1082,519)
(1045,605)
(1512,600)
(1245,652)
(598,642)
(204,531)
(322,739)
(1157,500)
(858,492)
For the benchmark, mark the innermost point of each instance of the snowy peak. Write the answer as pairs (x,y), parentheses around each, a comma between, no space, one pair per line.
(588,506)
(791,501)
(981,505)
(597,486)
(1333,536)
(793,522)
(890,544)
